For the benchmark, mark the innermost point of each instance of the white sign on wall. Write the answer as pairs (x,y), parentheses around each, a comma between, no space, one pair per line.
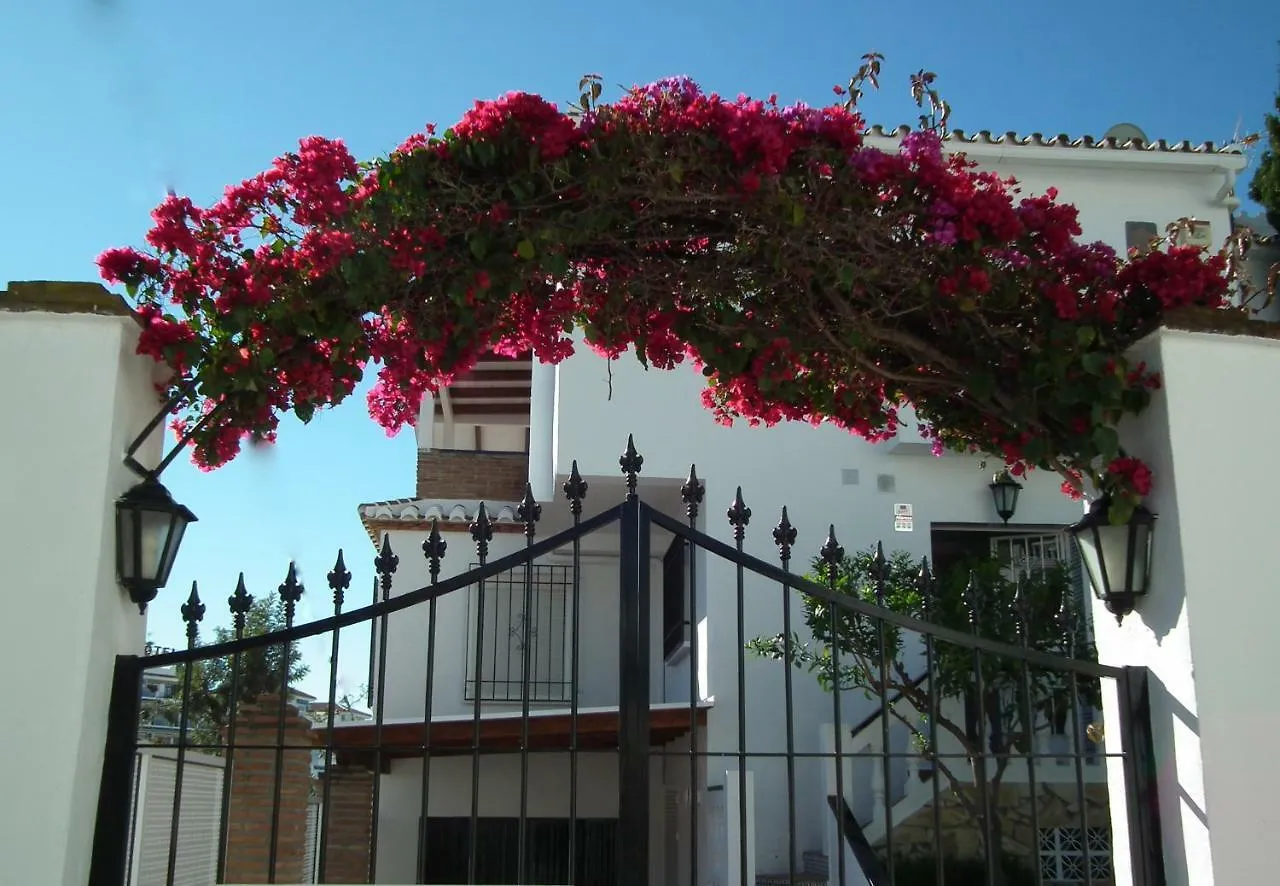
(903,519)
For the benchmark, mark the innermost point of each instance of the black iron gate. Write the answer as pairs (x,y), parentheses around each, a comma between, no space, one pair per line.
(228,690)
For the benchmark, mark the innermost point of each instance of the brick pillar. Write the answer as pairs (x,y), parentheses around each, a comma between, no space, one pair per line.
(490,476)
(350,836)
(253,794)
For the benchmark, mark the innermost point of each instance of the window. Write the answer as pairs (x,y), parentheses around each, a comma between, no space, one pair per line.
(506,627)
(1064,851)
(675,600)
(1029,553)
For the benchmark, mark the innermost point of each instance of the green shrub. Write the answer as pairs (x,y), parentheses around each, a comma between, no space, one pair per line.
(1265,185)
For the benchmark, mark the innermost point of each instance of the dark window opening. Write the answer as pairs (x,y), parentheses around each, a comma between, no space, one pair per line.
(448,849)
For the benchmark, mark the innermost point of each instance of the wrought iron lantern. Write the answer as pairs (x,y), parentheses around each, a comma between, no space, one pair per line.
(149,530)
(1117,557)
(1004,492)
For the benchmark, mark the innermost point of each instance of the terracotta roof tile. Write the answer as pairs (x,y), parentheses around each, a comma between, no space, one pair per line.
(1036,139)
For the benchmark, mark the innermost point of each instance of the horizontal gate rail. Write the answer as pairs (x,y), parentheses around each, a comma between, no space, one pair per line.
(386,607)
(938,632)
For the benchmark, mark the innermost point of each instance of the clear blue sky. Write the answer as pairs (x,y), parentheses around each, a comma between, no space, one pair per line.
(106,103)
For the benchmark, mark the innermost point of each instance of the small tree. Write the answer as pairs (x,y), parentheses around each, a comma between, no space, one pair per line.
(259,674)
(976,596)
(1265,185)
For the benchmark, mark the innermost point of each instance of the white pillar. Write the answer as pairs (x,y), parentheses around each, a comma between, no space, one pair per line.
(542,419)
(1207,631)
(424,431)
(72,396)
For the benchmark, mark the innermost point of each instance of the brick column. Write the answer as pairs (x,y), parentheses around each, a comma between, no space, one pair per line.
(350,836)
(253,794)
(491,476)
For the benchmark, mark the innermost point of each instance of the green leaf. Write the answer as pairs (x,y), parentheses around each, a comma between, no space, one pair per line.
(479,246)
(797,213)
(525,250)
(304,412)
(677,172)
(1094,362)
(1107,441)
(1120,511)
(1085,335)
(556,263)
(846,277)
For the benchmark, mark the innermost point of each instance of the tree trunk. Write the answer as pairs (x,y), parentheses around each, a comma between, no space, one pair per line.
(995,833)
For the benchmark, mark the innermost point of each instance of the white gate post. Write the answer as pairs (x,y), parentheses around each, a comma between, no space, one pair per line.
(1207,630)
(73,394)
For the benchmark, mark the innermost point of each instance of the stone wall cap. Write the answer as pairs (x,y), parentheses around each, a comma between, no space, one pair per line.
(1234,322)
(63,297)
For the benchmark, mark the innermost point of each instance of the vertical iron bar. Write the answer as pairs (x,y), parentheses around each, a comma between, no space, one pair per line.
(984,792)
(633,732)
(239,603)
(881,576)
(528,513)
(692,493)
(575,490)
(192,613)
(642,688)
(503,582)
(1069,621)
(1023,611)
(1141,786)
(553,685)
(434,548)
(133,824)
(290,592)
(633,672)
(385,564)
(739,516)
(928,596)
(833,555)
(980,763)
(115,792)
(482,534)
(784,536)
(373,650)
(339,581)
(1081,797)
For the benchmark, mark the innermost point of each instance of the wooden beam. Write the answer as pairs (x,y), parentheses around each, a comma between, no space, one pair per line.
(499,376)
(597,730)
(466,410)
(490,392)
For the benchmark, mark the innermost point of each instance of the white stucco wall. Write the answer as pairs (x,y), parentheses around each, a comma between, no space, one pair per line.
(1207,630)
(73,394)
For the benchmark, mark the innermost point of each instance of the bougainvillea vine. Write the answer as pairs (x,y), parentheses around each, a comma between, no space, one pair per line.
(810,275)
